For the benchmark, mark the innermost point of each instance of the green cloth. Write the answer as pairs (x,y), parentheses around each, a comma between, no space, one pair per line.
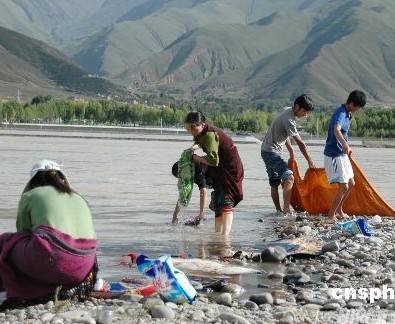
(68,213)
(186,173)
(209,142)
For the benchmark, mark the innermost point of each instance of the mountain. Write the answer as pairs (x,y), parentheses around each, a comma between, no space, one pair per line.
(34,67)
(214,50)
(327,49)
(271,49)
(351,46)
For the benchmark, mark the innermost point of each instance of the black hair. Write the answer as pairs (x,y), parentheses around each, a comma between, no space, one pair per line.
(52,178)
(195,117)
(357,98)
(174,169)
(305,102)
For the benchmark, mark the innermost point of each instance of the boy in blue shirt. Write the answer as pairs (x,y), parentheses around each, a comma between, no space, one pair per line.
(337,163)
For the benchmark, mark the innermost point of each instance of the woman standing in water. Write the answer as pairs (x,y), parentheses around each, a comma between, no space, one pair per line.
(224,167)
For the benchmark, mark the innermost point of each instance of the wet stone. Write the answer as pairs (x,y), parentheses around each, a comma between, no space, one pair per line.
(265,298)
(273,254)
(276,275)
(296,278)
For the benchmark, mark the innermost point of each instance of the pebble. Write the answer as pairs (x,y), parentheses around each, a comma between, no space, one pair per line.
(304,230)
(198,315)
(330,307)
(276,275)
(162,311)
(330,247)
(224,299)
(233,318)
(354,304)
(345,263)
(47,317)
(251,305)
(264,298)
(78,316)
(148,303)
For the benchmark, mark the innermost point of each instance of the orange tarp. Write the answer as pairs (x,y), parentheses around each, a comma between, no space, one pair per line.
(314,194)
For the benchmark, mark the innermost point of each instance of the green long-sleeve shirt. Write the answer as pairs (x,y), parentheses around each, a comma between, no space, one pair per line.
(68,213)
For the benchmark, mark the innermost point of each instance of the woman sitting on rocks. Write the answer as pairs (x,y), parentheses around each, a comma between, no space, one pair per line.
(54,248)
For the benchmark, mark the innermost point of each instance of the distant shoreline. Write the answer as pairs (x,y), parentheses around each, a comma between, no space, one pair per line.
(164,134)
(108,132)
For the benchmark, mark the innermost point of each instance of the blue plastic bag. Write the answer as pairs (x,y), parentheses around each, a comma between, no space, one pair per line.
(171,283)
(356,226)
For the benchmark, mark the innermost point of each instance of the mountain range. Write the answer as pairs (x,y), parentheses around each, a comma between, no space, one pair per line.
(258,49)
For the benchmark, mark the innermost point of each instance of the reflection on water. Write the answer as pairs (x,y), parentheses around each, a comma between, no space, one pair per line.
(132,193)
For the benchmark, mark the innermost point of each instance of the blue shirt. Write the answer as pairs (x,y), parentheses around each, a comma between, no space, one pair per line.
(342,118)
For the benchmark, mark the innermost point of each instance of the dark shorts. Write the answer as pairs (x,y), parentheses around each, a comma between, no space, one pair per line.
(276,168)
(220,204)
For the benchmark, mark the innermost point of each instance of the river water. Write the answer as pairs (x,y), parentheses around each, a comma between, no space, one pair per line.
(132,193)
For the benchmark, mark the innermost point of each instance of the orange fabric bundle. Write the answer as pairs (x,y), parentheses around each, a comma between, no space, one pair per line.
(314,194)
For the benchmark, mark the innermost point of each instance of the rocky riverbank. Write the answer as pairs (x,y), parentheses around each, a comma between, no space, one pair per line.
(302,293)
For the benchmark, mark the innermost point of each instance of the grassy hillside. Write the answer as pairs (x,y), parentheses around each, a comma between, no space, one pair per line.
(217,49)
(134,38)
(39,63)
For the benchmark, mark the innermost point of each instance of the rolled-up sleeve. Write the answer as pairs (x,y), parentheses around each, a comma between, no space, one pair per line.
(209,142)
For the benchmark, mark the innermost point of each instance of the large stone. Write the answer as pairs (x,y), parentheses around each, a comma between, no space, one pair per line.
(265,298)
(273,254)
(162,311)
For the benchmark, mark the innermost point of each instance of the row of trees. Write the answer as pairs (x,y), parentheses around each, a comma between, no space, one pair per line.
(114,113)
(372,122)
